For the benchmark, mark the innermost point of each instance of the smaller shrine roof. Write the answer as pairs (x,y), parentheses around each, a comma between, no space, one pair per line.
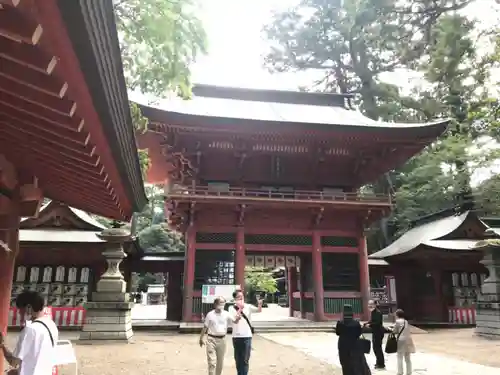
(163,258)
(377,262)
(428,234)
(83,228)
(82,215)
(58,235)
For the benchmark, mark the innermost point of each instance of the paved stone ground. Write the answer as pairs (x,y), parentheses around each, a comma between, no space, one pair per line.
(441,352)
(163,353)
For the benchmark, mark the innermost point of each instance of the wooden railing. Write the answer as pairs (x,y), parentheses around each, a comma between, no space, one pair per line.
(298,195)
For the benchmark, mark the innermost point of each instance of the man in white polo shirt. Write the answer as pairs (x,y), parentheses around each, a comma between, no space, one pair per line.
(242,331)
(216,323)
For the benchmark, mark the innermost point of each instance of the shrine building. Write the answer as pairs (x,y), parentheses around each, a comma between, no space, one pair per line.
(60,256)
(66,132)
(437,270)
(276,178)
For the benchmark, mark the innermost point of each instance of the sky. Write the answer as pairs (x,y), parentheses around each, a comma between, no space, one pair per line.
(237,44)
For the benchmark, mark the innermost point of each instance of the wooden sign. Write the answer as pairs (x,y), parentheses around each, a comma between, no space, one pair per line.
(290,261)
(270,261)
(250,260)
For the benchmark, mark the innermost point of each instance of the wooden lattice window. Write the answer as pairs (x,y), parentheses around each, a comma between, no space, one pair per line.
(341,272)
(278,239)
(204,237)
(335,241)
(214,267)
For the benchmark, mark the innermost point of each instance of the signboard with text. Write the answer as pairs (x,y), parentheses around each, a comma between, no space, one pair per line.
(210,292)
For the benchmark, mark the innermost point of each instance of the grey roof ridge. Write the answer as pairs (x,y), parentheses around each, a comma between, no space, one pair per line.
(406,242)
(153,112)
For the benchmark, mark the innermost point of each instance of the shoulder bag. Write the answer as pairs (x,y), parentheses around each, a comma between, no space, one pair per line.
(48,330)
(391,346)
(248,321)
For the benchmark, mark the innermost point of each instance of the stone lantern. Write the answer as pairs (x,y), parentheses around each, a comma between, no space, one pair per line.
(108,316)
(488,304)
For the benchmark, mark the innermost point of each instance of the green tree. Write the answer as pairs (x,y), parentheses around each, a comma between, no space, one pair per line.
(158,238)
(259,280)
(160,39)
(440,177)
(352,43)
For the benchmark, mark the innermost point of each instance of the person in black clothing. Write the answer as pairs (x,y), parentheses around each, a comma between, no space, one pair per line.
(352,358)
(376,324)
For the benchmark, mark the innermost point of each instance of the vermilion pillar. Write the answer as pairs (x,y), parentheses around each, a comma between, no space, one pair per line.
(291,286)
(189,264)
(239,257)
(364,277)
(9,235)
(317,270)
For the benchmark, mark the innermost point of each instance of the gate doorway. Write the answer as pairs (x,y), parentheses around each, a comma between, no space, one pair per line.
(274,278)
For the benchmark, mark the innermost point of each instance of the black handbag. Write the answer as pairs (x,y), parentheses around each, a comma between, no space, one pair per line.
(391,346)
(365,344)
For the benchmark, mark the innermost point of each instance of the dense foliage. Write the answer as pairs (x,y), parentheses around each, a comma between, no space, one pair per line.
(356,46)
(160,39)
(259,280)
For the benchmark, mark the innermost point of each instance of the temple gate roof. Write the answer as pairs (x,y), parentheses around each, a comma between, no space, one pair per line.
(213,106)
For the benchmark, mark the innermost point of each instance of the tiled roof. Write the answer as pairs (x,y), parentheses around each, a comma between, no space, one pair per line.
(425,234)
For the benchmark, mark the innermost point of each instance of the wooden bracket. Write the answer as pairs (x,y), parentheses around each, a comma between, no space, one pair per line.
(319,216)
(191,213)
(31,200)
(241,216)
(198,159)
(8,175)
(242,158)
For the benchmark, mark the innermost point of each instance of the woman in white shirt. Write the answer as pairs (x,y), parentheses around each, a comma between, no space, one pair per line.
(405,342)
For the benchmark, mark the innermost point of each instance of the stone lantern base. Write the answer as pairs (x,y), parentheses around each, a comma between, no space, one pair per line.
(488,302)
(107,320)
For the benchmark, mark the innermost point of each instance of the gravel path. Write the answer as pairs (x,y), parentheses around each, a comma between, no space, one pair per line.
(161,353)
(461,344)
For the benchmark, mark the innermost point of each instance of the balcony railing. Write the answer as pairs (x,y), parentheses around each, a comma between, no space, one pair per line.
(296,195)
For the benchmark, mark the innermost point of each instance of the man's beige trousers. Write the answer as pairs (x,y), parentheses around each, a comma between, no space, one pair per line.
(216,350)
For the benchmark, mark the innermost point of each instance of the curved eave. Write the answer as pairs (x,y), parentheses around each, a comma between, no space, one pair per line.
(425,233)
(357,123)
(65,123)
(91,26)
